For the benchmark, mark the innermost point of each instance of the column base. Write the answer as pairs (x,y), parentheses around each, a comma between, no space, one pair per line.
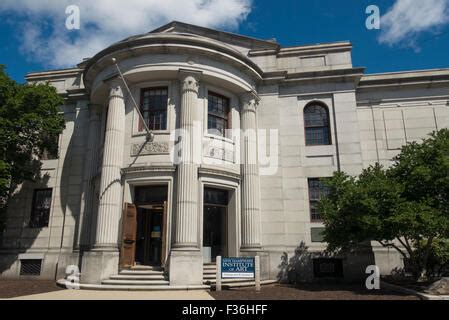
(264,260)
(99,265)
(186,267)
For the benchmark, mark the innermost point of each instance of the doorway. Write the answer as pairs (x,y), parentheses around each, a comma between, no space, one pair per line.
(149,237)
(145,228)
(215,221)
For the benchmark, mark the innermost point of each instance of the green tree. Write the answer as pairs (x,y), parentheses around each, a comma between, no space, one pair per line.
(29,120)
(404,207)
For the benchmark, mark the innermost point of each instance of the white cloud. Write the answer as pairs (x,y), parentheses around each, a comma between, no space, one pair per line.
(45,38)
(407,19)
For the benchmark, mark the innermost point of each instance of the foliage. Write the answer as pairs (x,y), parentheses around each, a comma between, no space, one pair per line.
(404,207)
(29,121)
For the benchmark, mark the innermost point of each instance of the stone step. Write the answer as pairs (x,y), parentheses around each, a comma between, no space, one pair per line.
(136,282)
(209,272)
(146,268)
(141,272)
(209,276)
(112,287)
(138,277)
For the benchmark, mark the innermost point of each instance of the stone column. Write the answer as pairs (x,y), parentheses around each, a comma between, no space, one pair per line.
(251,224)
(90,170)
(103,260)
(110,206)
(186,263)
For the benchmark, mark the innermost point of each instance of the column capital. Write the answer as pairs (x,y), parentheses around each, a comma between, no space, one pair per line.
(190,80)
(249,101)
(115,89)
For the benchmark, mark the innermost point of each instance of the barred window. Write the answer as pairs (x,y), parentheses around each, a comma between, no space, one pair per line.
(40,213)
(153,106)
(316,123)
(218,114)
(317,189)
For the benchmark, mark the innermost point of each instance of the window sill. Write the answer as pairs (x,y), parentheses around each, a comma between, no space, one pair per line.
(155,132)
(320,151)
(215,137)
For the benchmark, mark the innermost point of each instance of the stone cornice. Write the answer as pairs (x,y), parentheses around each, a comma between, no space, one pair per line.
(303,50)
(164,43)
(349,74)
(53,74)
(403,79)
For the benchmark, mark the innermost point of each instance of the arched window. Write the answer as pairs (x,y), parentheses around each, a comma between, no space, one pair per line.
(316,123)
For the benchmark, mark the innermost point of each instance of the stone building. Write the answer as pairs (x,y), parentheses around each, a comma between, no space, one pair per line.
(258,125)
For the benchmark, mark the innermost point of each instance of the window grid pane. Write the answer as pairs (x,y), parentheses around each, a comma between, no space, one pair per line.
(217,119)
(154,108)
(317,189)
(40,213)
(316,123)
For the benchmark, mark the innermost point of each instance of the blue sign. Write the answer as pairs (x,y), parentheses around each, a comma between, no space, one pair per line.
(237,268)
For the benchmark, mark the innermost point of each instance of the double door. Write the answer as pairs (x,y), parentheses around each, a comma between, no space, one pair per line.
(144,230)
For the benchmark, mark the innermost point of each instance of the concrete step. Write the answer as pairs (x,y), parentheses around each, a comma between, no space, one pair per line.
(209,272)
(146,268)
(138,277)
(136,282)
(209,266)
(61,283)
(141,272)
(209,276)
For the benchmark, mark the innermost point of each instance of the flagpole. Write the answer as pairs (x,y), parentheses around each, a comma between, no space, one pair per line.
(150,134)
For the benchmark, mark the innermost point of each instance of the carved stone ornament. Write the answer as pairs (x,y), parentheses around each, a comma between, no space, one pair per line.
(147,148)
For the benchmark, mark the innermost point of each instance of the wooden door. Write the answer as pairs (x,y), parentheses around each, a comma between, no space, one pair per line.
(127,258)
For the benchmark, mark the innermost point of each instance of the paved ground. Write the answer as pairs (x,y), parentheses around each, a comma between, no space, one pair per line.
(311,292)
(47,290)
(16,288)
(119,295)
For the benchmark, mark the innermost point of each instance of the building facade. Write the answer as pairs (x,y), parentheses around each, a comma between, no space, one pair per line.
(242,131)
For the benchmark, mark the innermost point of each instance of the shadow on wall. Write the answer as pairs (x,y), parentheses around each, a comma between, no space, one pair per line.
(299,268)
(18,235)
(58,243)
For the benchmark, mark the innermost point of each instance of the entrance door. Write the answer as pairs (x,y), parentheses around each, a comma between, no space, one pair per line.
(150,242)
(129,236)
(215,224)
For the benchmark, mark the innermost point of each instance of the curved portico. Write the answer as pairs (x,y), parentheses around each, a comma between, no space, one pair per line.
(184,155)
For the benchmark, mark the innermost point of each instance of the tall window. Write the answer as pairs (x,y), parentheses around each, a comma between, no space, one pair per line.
(40,213)
(218,113)
(316,123)
(153,107)
(317,189)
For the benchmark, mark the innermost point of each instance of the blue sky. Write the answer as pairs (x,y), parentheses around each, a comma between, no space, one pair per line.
(32,38)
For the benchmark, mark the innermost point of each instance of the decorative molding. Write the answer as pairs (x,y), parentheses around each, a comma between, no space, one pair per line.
(149,169)
(219,173)
(147,148)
